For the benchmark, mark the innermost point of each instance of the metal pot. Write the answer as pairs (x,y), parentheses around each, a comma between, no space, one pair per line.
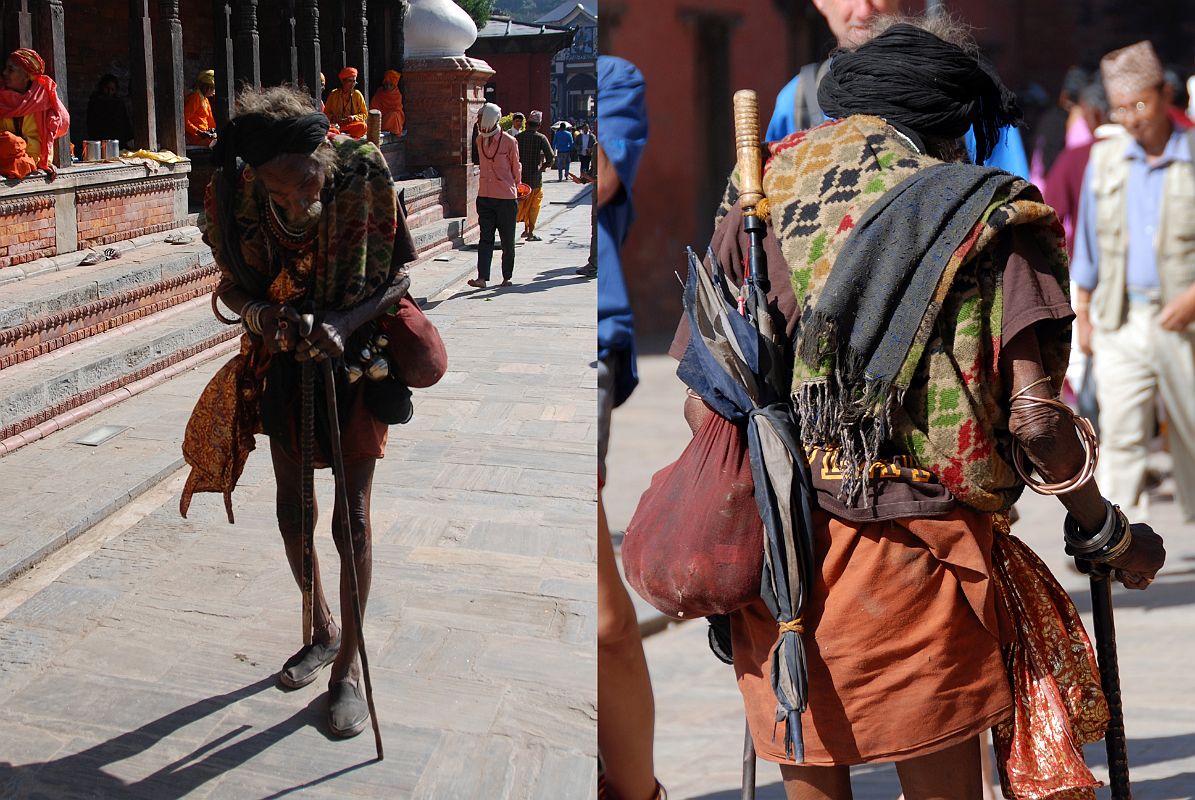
(93,150)
(111,149)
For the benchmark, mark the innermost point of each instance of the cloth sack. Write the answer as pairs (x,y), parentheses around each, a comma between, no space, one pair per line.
(415,350)
(694,546)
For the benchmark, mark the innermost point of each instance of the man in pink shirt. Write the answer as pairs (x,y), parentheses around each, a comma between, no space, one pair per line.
(497,204)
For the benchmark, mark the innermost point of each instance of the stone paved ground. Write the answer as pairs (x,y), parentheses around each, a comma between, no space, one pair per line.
(139,660)
(699,721)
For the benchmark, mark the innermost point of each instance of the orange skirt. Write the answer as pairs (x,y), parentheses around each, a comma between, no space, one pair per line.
(903,642)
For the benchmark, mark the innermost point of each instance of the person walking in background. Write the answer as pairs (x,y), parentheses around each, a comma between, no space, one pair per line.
(585,144)
(562,143)
(497,206)
(626,706)
(516,122)
(1133,263)
(198,118)
(535,155)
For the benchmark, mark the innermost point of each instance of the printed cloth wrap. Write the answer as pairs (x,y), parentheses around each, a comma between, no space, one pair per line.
(351,260)
(947,406)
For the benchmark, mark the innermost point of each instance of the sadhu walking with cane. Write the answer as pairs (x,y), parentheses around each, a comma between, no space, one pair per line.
(308,240)
(924,302)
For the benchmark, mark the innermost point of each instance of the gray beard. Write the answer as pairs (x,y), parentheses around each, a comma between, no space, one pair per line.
(307,218)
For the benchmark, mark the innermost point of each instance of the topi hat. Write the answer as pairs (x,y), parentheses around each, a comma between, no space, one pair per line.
(1131,69)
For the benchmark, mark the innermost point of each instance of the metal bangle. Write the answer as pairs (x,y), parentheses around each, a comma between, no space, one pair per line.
(1080,543)
(1083,429)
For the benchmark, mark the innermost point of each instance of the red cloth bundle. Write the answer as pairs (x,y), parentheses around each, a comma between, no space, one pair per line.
(694,546)
(416,350)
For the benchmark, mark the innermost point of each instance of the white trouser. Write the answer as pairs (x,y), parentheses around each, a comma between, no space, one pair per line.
(1132,366)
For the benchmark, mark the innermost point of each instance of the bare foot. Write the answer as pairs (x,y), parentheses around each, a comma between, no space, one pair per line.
(476,283)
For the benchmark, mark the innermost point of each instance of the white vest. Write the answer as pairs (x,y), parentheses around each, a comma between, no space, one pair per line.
(1174,241)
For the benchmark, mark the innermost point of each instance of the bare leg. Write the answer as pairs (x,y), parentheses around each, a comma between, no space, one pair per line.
(287,474)
(950,774)
(359,483)
(626,708)
(816,783)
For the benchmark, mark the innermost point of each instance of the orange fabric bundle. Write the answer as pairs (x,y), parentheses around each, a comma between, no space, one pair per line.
(1059,705)
(14,162)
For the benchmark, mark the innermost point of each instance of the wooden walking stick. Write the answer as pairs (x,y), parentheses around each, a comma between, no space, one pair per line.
(748,766)
(307,482)
(1105,648)
(342,502)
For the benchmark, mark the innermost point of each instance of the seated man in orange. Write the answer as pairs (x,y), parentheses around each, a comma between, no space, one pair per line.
(31,115)
(197,112)
(388,100)
(345,107)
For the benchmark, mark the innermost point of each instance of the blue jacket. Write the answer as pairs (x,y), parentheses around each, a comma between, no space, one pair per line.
(562,141)
(622,120)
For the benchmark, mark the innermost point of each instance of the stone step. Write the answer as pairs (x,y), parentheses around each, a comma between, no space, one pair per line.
(439,235)
(54,309)
(33,392)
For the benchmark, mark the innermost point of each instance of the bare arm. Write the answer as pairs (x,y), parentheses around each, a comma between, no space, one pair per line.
(1049,439)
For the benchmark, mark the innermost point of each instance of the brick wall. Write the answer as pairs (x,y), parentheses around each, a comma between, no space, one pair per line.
(114,213)
(28,225)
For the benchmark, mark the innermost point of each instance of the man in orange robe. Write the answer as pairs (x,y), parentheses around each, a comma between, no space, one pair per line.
(388,100)
(346,108)
(197,112)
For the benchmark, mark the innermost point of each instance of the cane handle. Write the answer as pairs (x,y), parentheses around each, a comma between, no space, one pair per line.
(747,144)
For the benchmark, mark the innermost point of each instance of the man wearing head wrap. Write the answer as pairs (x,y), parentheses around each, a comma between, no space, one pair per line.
(1135,268)
(535,155)
(346,108)
(198,119)
(388,100)
(299,224)
(497,206)
(928,291)
(31,114)
(850,21)
(626,718)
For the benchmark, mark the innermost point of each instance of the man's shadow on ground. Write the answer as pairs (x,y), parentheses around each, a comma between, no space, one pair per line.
(82,774)
(542,282)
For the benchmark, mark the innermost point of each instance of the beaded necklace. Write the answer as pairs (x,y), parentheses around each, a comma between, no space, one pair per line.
(289,238)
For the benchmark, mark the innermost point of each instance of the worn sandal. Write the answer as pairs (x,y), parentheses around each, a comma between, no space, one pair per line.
(348,713)
(301,668)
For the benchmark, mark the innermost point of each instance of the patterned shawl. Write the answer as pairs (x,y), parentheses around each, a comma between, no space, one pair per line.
(352,260)
(821,184)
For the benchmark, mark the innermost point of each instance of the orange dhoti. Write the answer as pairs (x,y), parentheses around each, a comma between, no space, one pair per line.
(354,129)
(903,643)
(529,207)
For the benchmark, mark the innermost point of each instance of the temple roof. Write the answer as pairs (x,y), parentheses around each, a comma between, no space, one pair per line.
(505,35)
(571,12)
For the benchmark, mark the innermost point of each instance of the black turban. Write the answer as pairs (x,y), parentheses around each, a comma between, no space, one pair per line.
(256,138)
(915,80)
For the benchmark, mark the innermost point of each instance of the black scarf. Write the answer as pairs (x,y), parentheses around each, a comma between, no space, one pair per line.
(916,81)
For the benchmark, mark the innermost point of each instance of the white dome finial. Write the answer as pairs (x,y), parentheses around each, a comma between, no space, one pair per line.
(437,29)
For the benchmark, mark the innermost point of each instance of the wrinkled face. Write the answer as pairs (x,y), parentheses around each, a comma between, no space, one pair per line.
(294,182)
(347,85)
(15,77)
(850,20)
(1143,113)
(209,89)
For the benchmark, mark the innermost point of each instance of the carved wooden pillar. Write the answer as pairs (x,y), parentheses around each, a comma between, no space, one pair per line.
(225,88)
(51,45)
(24,25)
(171,132)
(357,43)
(290,31)
(141,75)
(309,46)
(248,45)
(338,44)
